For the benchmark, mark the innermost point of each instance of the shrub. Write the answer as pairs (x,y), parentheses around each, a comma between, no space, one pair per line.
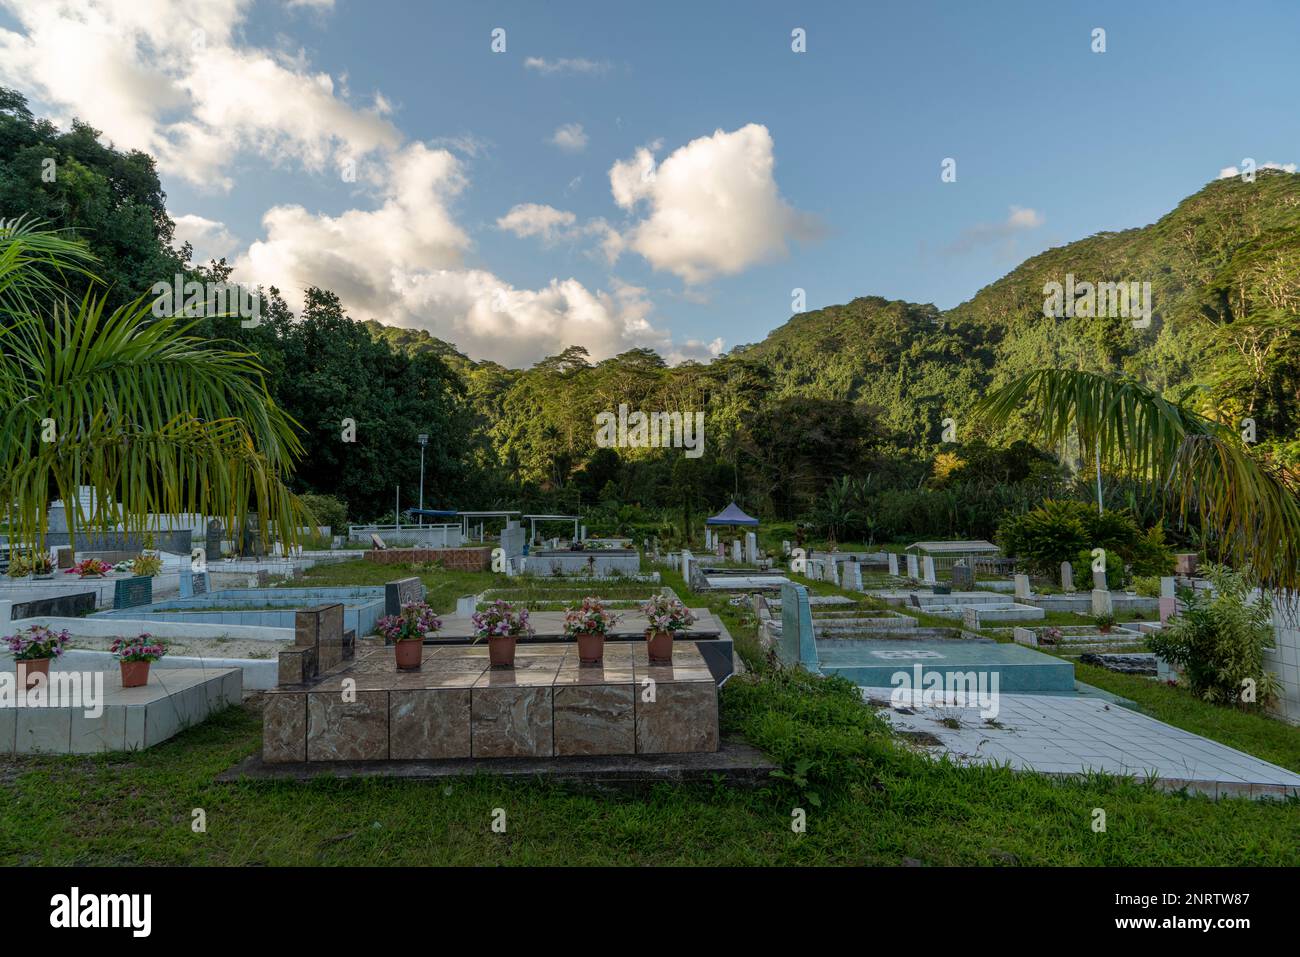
(147,566)
(1054,532)
(1148,586)
(1115,577)
(328,510)
(1150,556)
(1219,640)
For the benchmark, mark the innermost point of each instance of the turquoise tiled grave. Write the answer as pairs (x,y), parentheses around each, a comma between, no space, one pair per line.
(872,662)
(262,607)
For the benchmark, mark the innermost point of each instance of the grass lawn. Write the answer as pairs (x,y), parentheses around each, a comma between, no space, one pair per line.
(868,799)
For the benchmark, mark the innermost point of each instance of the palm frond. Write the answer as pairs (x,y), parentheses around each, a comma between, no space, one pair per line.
(33,260)
(1247,505)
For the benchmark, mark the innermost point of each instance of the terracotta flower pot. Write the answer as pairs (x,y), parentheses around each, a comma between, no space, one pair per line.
(659,645)
(29,668)
(135,674)
(409,654)
(501,651)
(591,647)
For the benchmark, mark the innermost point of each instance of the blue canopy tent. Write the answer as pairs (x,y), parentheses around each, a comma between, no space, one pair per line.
(732,515)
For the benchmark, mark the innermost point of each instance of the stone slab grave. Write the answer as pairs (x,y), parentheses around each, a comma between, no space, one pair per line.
(133,592)
(320,644)
(457,707)
(401,592)
(892,559)
(194,584)
(913,569)
(963,576)
(131,718)
(60,606)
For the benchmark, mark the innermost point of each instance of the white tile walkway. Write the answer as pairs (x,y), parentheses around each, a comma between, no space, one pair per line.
(1073,734)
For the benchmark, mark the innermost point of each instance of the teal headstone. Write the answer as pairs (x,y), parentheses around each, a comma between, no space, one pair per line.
(130,592)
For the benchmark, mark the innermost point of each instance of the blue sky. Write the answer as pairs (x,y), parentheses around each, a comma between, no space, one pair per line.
(1052,142)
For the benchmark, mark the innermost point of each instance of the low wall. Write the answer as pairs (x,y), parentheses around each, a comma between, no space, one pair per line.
(259,675)
(127,627)
(454,559)
(600,564)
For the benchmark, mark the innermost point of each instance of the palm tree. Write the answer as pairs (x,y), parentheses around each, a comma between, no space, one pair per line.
(1246,505)
(152,418)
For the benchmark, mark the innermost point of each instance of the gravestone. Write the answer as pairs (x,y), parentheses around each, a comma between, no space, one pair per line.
(62,606)
(687,558)
(927,567)
(401,592)
(466,606)
(785,549)
(718,548)
(1167,588)
(1168,603)
(913,571)
(1099,580)
(970,618)
(751,548)
(963,576)
(1022,587)
(833,571)
(131,592)
(1025,636)
(735,550)
(1185,563)
(212,540)
(193,583)
(263,578)
(251,539)
(853,576)
(1067,577)
(377,542)
(1101,603)
(892,558)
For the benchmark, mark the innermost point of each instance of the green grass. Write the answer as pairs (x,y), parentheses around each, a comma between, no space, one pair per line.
(869,800)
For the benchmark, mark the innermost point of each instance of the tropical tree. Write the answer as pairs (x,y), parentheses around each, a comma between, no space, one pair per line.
(1248,507)
(150,417)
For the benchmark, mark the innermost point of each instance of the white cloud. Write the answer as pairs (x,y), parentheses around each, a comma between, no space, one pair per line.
(166,77)
(532,219)
(713,205)
(210,239)
(566,65)
(570,137)
(1019,219)
(1228,172)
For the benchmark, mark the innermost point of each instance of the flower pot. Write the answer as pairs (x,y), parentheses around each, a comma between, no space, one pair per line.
(659,646)
(135,674)
(409,654)
(29,668)
(591,648)
(501,651)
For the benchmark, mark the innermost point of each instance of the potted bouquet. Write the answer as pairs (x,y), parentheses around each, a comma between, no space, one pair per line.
(589,623)
(1104,623)
(501,623)
(42,566)
(134,655)
(33,650)
(405,632)
(665,614)
(90,568)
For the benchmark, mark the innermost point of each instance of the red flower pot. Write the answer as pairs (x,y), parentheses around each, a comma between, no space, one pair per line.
(591,647)
(135,674)
(29,668)
(501,651)
(659,645)
(409,654)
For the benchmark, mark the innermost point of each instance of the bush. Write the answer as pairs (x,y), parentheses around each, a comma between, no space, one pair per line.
(1148,586)
(146,566)
(1115,576)
(1219,640)
(328,510)
(1066,530)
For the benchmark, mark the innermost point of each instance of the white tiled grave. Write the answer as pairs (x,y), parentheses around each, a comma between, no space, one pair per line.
(1073,734)
(132,718)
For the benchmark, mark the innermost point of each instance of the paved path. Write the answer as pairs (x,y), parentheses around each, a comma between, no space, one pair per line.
(1064,734)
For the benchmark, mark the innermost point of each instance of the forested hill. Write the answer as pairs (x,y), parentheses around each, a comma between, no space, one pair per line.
(1224,269)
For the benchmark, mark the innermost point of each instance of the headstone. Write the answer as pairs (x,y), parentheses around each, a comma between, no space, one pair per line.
(132,592)
(1168,608)
(212,540)
(584,533)
(263,578)
(1067,577)
(785,549)
(963,576)
(1101,603)
(1099,582)
(1026,636)
(913,569)
(1185,563)
(376,541)
(193,584)
(61,606)
(401,592)
(970,618)
(1022,587)
(735,550)
(927,568)
(708,537)
(466,606)
(1167,588)
(798,643)
(751,548)
(853,576)
(893,563)
(718,548)
(833,571)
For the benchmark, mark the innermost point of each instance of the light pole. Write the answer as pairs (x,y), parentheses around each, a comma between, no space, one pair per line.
(423,440)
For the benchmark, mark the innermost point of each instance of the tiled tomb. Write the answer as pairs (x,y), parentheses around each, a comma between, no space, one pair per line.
(456,706)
